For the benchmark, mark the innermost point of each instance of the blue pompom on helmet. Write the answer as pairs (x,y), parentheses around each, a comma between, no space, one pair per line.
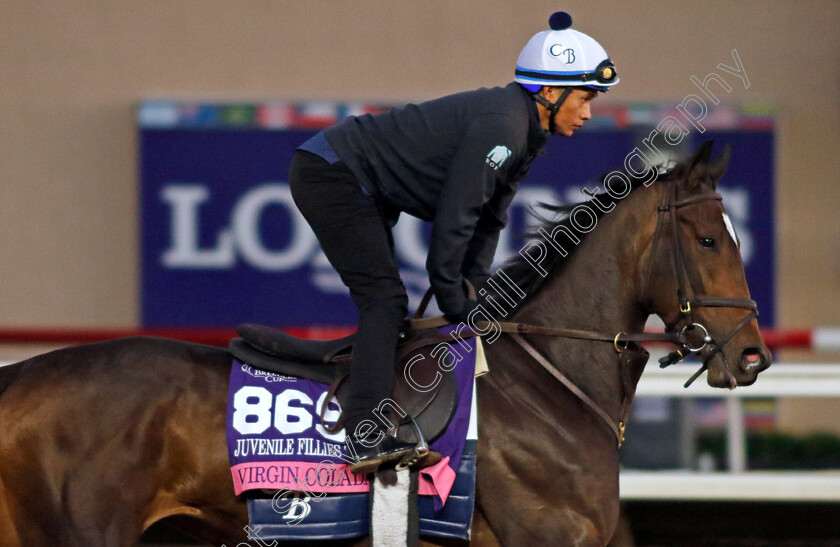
(564,57)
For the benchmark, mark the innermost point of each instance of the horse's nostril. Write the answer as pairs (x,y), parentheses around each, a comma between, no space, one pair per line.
(751,357)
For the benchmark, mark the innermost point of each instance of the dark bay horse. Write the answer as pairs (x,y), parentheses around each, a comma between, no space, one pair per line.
(97,442)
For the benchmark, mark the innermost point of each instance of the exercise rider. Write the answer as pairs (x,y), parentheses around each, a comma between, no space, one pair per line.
(454,161)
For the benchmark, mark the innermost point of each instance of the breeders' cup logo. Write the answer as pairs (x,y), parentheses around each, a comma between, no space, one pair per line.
(270,377)
(299,509)
(497,156)
(568,54)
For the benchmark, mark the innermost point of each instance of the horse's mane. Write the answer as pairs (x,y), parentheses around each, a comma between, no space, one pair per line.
(524,274)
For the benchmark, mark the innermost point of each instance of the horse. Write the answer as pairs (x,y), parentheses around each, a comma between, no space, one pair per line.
(100,441)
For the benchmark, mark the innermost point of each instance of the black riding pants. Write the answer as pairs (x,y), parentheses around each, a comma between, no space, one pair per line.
(357,240)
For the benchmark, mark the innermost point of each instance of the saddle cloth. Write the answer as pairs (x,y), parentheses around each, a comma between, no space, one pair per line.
(275,440)
(277,443)
(323,500)
(424,387)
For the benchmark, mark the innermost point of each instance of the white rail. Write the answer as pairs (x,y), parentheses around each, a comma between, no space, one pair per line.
(805,486)
(800,380)
(806,380)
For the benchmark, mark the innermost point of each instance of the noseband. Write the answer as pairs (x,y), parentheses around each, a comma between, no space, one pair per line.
(690,299)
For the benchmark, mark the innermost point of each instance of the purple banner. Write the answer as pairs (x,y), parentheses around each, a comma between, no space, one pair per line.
(223,243)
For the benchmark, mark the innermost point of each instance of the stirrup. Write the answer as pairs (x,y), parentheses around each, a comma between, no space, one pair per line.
(419,453)
(372,458)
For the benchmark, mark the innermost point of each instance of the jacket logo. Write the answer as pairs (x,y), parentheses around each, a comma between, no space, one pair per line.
(497,156)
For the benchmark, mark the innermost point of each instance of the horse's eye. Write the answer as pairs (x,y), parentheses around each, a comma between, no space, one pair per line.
(707,242)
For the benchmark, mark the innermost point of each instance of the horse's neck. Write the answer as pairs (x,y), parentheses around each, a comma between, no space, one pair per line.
(597,288)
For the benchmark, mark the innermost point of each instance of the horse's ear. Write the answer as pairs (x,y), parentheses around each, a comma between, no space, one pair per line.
(718,167)
(699,166)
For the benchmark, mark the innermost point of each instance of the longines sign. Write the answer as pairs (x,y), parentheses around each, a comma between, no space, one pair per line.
(222,242)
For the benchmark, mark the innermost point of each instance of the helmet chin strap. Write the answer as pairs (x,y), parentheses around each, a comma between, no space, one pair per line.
(552,107)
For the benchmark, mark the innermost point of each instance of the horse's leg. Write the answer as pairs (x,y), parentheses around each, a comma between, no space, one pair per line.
(78,452)
(197,489)
(482,534)
(623,536)
(540,503)
(8,533)
(101,441)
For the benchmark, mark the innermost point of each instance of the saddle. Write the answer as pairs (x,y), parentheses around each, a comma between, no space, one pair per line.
(328,362)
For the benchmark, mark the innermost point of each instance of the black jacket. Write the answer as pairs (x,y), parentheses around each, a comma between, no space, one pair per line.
(455,161)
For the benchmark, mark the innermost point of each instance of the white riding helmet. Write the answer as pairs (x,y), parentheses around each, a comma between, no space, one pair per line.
(563,57)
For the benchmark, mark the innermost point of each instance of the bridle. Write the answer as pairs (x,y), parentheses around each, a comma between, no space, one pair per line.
(626,344)
(690,299)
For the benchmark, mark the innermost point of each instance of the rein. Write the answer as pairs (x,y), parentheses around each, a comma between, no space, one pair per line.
(622,340)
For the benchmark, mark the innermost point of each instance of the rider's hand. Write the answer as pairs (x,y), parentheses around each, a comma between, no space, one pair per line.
(478,281)
(469,305)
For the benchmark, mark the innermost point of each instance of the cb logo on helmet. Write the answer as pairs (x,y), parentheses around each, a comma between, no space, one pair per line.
(568,54)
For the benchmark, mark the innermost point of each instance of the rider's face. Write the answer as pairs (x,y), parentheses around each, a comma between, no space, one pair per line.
(573,112)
